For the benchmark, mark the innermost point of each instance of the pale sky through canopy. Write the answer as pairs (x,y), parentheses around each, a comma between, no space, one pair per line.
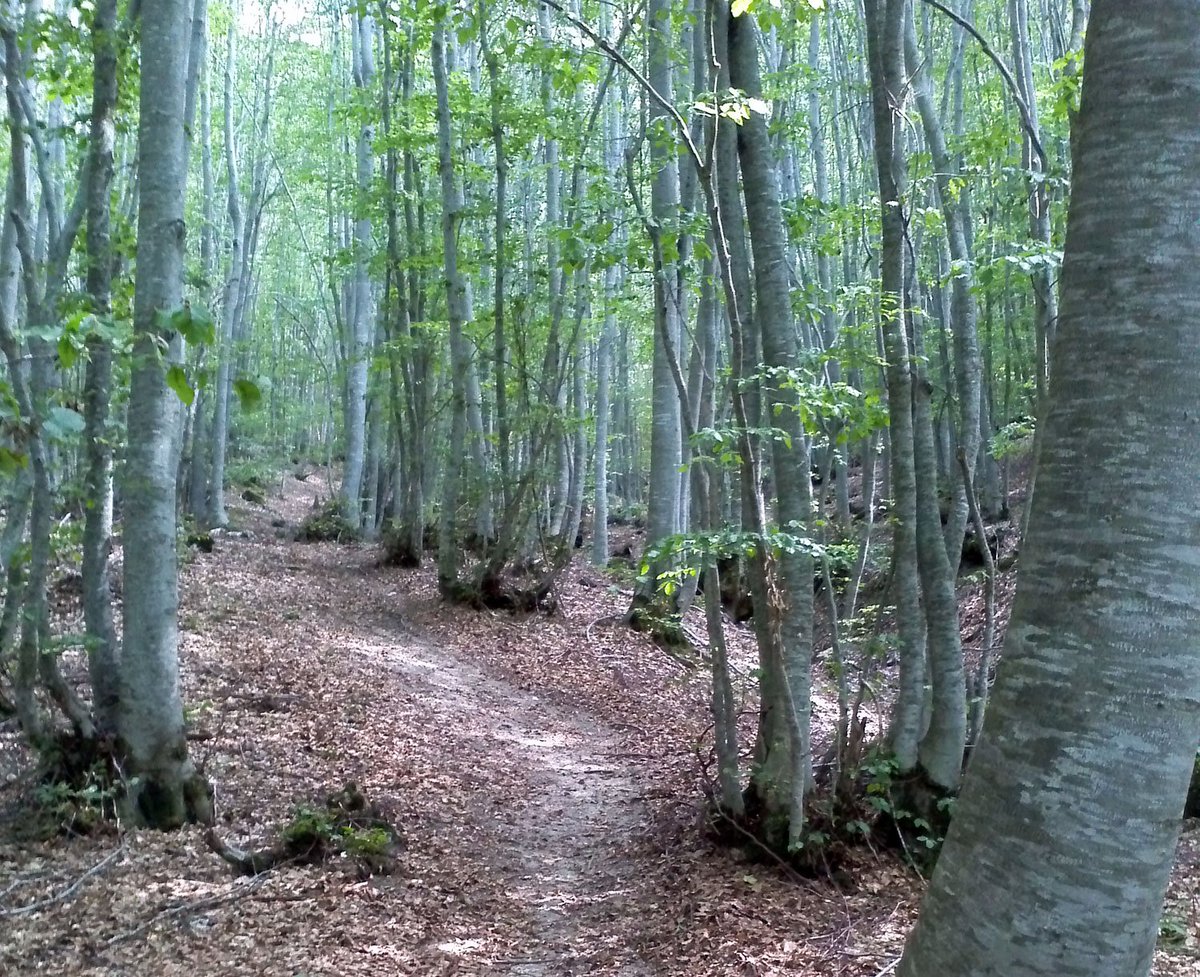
(287,13)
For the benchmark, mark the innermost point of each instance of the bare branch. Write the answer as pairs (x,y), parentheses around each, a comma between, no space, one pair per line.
(1009,80)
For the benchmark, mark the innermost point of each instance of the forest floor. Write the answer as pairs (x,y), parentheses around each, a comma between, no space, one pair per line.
(544,771)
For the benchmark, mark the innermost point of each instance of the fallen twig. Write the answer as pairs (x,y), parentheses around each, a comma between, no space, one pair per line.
(67,892)
(208,902)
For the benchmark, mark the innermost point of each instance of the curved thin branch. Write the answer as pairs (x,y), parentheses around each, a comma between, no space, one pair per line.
(609,49)
(1009,80)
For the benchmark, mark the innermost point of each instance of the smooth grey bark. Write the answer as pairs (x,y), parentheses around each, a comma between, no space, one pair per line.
(554,358)
(456,301)
(1058,857)
(44,252)
(167,790)
(828,320)
(235,288)
(359,324)
(197,495)
(885,28)
(604,358)
(769,774)
(1045,295)
(496,95)
(945,738)
(25,602)
(579,438)
(662,511)
(790,454)
(416,364)
(97,438)
(606,346)
(963,311)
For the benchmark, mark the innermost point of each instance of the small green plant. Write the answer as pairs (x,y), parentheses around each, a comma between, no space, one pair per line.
(327,525)
(366,842)
(309,827)
(346,825)
(79,806)
(1014,439)
(1173,932)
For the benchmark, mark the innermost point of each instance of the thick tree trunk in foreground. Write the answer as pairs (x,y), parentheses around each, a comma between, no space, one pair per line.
(167,790)
(1061,846)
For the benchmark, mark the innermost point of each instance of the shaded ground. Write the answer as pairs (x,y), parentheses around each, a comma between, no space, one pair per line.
(544,773)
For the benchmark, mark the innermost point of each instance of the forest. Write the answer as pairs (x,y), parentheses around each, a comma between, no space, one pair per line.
(629,487)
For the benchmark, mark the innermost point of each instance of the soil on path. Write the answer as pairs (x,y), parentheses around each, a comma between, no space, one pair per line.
(544,771)
(302,672)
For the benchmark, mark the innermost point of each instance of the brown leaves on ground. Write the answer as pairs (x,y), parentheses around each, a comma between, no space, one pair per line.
(544,772)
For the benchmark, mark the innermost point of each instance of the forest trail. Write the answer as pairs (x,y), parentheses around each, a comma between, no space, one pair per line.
(543,772)
(555,836)
(557,839)
(551,810)
(527,837)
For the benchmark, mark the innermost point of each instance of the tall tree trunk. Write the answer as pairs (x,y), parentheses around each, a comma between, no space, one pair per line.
(235,290)
(456,306)
(963,312)
(98,480)
(197,495)
(166,789)
(497,92)
(885,29)
(1062,841)
(662,513)
(790,454)
(360,323)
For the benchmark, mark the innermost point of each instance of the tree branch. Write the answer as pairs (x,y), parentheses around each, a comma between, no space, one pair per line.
(1009,80)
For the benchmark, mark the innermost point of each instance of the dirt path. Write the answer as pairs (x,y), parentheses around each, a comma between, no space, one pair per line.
(526,832)
(557,838)
(550,817)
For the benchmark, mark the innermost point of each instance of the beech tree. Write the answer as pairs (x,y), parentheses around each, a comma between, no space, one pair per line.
(1056,862)
(519,278)
(167,790)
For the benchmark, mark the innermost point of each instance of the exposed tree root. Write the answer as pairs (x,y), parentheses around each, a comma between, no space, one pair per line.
(492,591)
(346,824)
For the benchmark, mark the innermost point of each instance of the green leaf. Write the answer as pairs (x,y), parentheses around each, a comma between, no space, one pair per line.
(63,422)
(249,394)
(193,322)
(12,461)
(68,352)
(199,329)
(177,380)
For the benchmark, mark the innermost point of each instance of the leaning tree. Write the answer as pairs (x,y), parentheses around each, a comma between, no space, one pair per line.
(1058,858)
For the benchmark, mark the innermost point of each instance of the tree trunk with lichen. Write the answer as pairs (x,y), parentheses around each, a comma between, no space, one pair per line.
(165,789)
(1058,858)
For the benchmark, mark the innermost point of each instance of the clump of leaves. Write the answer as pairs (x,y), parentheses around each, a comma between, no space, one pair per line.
(1014,440)
(78,787)
(328,524)
(396,546)
(1174,933)
(345,826)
